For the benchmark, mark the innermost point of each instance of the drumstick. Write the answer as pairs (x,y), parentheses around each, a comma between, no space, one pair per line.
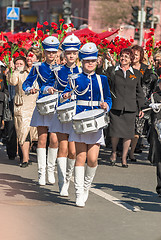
(73,89)
(112,94)
(36,90)
(65,99)
(110,56)
(147,109)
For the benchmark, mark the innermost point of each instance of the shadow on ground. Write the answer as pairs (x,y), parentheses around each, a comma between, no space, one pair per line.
(14,185)
(145,200)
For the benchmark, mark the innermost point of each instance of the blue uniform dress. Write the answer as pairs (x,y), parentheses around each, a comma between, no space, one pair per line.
(59,80)
(88,90)
(41,72)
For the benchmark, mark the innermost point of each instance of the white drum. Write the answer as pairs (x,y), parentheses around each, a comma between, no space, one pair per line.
(66,112)
(90,121)
(157,125)
(47,104)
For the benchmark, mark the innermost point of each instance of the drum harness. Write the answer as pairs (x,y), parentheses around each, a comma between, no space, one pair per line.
(42,78)
(153,102)
(91,102)
(157,123)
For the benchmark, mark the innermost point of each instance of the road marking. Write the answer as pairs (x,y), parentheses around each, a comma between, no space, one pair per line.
(112,199)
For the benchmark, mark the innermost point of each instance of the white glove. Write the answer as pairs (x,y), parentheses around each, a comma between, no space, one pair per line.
(154,106)
(45,91)
(27,91)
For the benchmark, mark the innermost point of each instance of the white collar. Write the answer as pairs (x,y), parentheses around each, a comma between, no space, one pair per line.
(119,67)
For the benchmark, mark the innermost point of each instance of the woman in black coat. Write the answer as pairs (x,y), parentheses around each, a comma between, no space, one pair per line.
(155,133)
(125,84)
(139,122)
(3,91)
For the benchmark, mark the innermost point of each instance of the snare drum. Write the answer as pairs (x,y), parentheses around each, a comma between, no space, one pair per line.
(90,121)
(157,125)
(66,112)
(47,104)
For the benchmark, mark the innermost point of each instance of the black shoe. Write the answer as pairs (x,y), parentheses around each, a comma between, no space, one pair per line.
(24,164)
(30,162)
(124,165)
(132,159)
(11,158)
(112,163)
(138,151)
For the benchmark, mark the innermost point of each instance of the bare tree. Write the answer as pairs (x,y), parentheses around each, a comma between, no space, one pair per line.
(114,12)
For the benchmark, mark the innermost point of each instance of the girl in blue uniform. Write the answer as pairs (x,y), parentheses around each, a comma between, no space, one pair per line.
(41,72)
(88,96)
(66,153)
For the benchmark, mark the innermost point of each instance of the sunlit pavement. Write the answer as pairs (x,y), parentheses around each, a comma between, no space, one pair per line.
(122,203)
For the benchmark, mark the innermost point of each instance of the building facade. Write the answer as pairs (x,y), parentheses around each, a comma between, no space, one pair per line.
(83,12)
(32,11)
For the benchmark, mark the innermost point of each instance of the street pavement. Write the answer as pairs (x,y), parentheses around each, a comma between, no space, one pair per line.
(122,203)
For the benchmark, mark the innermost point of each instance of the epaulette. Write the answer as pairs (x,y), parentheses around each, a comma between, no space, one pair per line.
(36,64)
(55,67)
(73,76)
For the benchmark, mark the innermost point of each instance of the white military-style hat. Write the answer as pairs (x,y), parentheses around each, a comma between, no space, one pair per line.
(51,44)
(71,43)
(88,51)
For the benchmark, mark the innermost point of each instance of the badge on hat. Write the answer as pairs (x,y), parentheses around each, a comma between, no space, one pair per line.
(51,44)
(88,51)
(71,43)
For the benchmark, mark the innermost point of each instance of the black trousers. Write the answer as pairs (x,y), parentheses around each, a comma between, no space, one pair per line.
(11,139)
(158,161)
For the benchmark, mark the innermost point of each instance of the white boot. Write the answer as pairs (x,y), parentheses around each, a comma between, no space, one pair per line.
(62,167)
(79,185)
(41,160)
(89,175)
(70,168)
(51,158)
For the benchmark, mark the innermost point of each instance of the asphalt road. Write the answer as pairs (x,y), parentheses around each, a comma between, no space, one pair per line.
(122,204)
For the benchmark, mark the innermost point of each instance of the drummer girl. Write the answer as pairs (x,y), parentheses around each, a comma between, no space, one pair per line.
(90,94)
(66,153)
(40,72)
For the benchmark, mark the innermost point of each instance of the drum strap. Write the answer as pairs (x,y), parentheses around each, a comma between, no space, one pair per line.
(100,86)
(88,103)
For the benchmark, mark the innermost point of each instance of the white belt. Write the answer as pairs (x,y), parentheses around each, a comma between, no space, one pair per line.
(88,103)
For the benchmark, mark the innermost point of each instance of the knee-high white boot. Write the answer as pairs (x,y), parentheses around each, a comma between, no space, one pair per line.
(79,185)
(62,167)
(41,160)
(89,175)
(51,159)
(69,171)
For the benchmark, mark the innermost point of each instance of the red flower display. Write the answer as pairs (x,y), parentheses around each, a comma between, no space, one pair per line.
(59,32)
(71,25)
(46,23)
(39,25)
(32,30)
(61,21)
(15,55)
(30,54)
(65,27)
